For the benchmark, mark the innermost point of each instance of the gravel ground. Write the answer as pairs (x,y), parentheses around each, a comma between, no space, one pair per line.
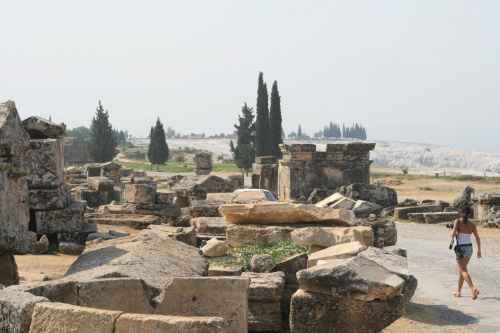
(433,307)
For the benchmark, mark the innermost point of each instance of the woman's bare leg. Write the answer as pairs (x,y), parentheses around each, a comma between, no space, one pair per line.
(462,266)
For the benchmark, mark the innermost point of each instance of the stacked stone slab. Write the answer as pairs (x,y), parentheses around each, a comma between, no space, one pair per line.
(100,186)
(265,174)
(487,208)
(75,151)
(381,195)
(203,163)
(303,169)
(15,237)
(51,209)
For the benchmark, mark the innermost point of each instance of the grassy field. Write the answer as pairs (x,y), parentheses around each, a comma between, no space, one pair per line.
(178,168)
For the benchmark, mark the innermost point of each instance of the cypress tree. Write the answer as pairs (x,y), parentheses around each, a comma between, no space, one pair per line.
(101,146)
(244,151)
(299,133)
(158,151)
(262,121)
(275,129)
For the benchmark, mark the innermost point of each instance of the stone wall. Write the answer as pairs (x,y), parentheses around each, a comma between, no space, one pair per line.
(303,169)
(203,163)
(75,150)
(265,174)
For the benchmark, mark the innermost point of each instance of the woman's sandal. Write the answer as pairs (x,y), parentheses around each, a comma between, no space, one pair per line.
(475,293)
(456,294)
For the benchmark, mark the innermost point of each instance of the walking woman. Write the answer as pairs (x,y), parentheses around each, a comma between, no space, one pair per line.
(462,229)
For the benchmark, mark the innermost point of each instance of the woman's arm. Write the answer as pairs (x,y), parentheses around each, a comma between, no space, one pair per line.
(455,229)
(478,242)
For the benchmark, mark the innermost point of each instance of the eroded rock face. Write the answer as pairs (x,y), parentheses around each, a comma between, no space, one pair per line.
(277,212)
(365,208)
(463,198)
(340,251)
(203,163)
(45,158)
(16,308)
(260,263)
(8,270)
(327,237)
(14,206)
(380,195)
(40,128)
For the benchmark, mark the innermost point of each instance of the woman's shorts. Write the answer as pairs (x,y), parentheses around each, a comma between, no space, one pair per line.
(466,252)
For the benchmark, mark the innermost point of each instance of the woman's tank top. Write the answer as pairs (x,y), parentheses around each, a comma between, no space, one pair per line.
(463,238)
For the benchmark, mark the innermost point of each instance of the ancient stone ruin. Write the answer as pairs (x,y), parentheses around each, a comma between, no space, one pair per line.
(304,169)
(487,208)
(265,174)
(203,163)
(75,151)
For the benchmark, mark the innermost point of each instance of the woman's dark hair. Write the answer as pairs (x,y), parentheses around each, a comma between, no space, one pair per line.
(466,210)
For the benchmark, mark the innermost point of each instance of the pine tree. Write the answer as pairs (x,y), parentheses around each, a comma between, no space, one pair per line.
(275,129)
(262,121)
(101,145)
(299,133)
(244,151)
(158,151)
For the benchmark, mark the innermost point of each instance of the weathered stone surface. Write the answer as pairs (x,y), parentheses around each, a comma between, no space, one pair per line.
(334,199)
(69,219)
(214,248)
(265,287)
(217,270)
(100,184)
(487,208)
(152,256)
(261,263)
(134,221)
(384,231)
(199,186)
(394,263)
(290,266)
(140,194)
(264,317)
(47,199)
(365,208)
(164,211)
(279,213)
(96,198)
(441,217)
(381,195)
(40,128)
(416,217)
(357,278)
(226,197)
(205,208)
(319,194)
(317,313)
(133,323)
(55,291)
(165,197)
(328,236)
(71,248)
(203,163)
(211,225)
(16,308)
(60,317)
(75,150)
(45,158)
(117,294)
(402,212)
(186,235)
(341,251)
(16,242)
(224,297)
(8,270)
(41,246)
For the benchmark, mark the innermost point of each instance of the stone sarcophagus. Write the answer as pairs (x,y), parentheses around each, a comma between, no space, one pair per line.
(303,169)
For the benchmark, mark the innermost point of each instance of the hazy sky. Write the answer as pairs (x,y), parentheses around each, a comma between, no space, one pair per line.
(412,71)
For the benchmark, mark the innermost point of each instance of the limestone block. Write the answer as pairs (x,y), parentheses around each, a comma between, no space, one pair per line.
(264,317)
(69,219)
(280,212)
(45,158)
(341,251)
(164,211)
(55,291)
(249,197)
(40,128)
(140,194)
(205,208)
(290,266)
(224,297)
(75,150)
(165,197)
(317,313)
(216,270)
(132,323)
(365,208)
(381,195)
(49,199)
(416,217)
(402,212)
(357,278)
(100,184)
(384,231)
(226,197)
(14,140)
(116,294)
(76,237)
(8,270)
(16,242)
(134,221)
(441,217)
(186,235)
(16,308)
(463,198)
(264,235)
(394,263)
(265,287)
(261,263)
(327,236)
(390,234)
(60,317)
(214,248)
(333,202)
(41,246)
(211,225)
(71,248)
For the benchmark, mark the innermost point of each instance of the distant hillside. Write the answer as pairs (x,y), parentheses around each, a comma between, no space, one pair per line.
(385,153)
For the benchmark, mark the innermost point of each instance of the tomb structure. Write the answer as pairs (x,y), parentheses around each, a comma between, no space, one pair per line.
(203,163)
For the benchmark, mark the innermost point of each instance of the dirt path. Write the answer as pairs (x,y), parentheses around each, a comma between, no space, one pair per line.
(433,307)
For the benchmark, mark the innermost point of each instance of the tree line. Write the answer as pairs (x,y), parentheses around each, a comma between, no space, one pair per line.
(333,131)
(262,137)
